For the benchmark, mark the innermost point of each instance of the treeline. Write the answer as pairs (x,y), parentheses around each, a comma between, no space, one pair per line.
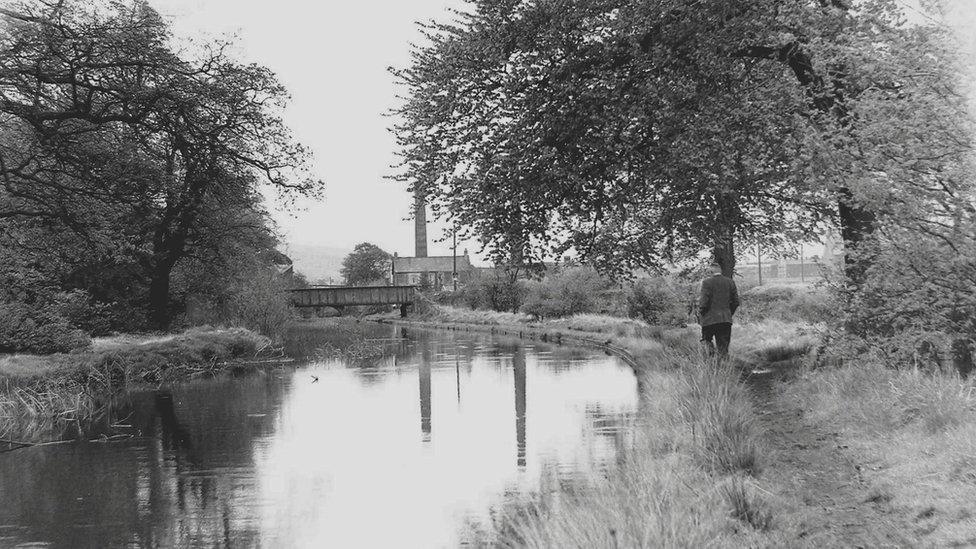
(131,176)
(639,134)
(569,289)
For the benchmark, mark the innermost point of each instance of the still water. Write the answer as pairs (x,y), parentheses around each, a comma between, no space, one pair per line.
(418,446)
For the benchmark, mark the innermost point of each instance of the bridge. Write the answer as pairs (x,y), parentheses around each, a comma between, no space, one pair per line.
(339,297)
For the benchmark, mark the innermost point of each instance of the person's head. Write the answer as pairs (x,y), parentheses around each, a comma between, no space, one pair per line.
(714,268)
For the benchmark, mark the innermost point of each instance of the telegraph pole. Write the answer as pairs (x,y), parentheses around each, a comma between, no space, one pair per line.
(801,262)
(759,261)
(454,275)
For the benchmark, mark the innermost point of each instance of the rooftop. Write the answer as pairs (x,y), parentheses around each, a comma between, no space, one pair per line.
(435,264)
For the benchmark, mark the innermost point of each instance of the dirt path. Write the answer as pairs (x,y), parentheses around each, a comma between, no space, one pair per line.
(831,504)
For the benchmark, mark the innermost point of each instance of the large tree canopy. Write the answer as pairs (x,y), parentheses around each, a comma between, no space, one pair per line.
(148,156)
(639,132)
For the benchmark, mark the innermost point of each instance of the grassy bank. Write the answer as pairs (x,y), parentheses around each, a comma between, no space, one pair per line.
(914,436)
(689,479)
(694,475)
(756,344)
(861,454)
(39,391)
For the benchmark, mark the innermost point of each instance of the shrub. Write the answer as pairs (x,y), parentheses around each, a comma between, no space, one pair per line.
(261,303)
(786,302)
(497,292)
(656,301)
(565,292)
(83,312)
(37,329)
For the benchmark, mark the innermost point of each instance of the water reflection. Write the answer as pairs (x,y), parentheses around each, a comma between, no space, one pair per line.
(518,361)
(424,372)
(279,461)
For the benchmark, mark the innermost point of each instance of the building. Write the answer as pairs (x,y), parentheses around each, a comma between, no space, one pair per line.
(436,272)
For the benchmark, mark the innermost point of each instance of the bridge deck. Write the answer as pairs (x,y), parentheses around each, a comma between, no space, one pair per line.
(343,296)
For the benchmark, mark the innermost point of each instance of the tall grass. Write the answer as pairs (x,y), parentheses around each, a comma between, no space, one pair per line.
(917,429)
(717,408)
(39,393)
(684,482)
(868,399)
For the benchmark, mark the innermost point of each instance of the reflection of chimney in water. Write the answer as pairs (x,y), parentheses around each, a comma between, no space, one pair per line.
(518,363)
(424,371)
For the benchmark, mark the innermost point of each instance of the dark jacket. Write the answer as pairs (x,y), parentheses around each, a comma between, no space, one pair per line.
(718,300)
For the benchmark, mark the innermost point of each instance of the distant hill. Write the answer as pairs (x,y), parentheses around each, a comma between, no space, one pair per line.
(317,263)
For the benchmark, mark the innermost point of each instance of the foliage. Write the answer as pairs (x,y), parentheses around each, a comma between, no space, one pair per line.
(918,306)
(261,304)
(545,126)
(787,303)
(24,328)
(565,292)
(142,159)
(658,301)
(365,265)
(35,316)
(494,291)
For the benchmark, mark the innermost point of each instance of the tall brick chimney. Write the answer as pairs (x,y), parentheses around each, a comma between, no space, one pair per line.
(420,226)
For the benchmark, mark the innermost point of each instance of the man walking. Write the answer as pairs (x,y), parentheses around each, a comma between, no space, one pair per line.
(717,303)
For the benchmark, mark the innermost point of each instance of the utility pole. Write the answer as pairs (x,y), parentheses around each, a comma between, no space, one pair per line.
(759,262)
(801,262)
(454,275)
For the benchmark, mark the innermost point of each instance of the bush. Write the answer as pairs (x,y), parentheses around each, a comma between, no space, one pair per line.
(656,301)
(565,292)
(40,330)
(261,303)
(497,292)
(786,302)
(86,314)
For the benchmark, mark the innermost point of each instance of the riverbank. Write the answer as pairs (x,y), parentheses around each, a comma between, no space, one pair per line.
(770,453)
(695,474)
(38,392)
(767,345)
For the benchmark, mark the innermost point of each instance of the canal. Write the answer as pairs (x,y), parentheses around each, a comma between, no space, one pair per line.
(418,439)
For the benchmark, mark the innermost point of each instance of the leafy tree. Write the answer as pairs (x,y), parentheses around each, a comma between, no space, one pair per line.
(140,152)
(366,264)
(638,132)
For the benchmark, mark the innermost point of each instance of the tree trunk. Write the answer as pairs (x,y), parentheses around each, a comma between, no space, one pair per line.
(962,356)
(724,253)
(856,225)
(159,313)
(828,97)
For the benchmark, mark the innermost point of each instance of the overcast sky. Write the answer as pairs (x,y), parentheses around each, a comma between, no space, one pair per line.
(333,58)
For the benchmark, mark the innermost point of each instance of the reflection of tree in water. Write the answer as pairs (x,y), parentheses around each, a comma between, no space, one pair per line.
(185,481)
(515,506)
(306,340)
(615,427)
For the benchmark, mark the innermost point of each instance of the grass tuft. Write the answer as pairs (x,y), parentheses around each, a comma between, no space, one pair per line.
(718,411)
(747,505)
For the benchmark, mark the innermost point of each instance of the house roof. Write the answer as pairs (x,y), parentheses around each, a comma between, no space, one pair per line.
(436,264)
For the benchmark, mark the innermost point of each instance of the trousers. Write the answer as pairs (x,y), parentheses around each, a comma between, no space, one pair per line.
(721,333)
